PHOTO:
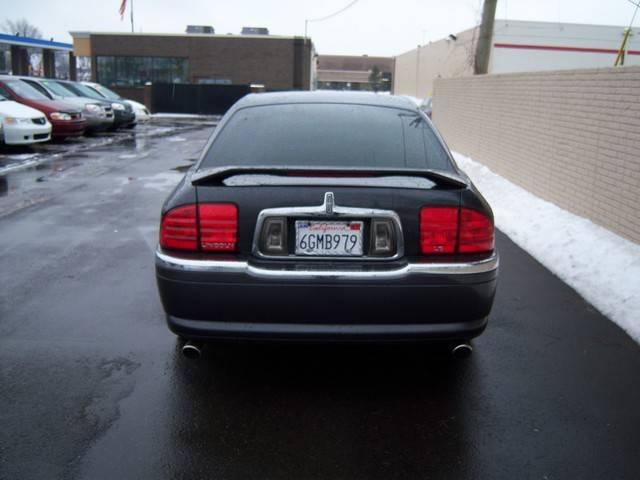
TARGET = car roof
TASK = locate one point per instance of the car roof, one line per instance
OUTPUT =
(23, 77)
(325, 96)
(9, 77)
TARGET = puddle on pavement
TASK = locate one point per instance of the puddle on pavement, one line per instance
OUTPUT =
(43, 162)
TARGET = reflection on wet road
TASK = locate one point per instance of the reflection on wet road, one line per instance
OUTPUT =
(26, 172)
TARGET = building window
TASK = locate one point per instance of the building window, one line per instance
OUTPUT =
(135, 71)
(61, 59)
(83, 69)
(5, 59)
(36, 68)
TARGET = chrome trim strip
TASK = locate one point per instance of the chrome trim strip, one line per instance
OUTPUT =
(243, 267)
(320, 212)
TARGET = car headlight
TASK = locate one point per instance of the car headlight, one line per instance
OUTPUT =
(16, 121)
(93, 108)
(60, 116)
(117, 106)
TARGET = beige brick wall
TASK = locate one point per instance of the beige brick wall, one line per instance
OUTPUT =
(571, 137)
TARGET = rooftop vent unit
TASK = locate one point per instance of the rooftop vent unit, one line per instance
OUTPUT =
(200, 29)
(254, 31)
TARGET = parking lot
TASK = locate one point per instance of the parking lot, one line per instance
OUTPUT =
(93, 385)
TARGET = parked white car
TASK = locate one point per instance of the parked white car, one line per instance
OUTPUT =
(141, 111)
(142, 114)
(22, 125)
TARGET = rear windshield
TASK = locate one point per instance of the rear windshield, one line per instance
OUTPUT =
(327, 135)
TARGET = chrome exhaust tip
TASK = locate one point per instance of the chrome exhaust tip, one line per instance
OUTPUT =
(191, 350)
(462, 350)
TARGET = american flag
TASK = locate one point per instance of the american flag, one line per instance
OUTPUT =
(123, 7)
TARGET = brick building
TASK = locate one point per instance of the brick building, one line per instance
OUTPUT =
(344, 72)
(127, 61)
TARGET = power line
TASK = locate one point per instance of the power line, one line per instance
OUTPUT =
(634, 14)
(321, 19)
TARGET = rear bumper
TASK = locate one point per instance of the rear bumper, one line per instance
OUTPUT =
(393, 332)
(235, 299)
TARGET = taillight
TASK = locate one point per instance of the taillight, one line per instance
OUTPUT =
(179, 229)
(476, 232)
(447, 230)
(212, 227)
(438, 229)
(218, 226)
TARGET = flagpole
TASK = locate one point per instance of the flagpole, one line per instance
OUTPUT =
(131, 16)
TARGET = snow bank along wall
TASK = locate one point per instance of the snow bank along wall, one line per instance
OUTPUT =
(571, 137)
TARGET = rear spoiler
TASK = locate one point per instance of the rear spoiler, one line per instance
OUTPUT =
(216, 175)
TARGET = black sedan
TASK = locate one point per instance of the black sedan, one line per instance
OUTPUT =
(316, 216)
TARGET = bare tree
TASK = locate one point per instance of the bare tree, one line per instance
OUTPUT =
(21, 27)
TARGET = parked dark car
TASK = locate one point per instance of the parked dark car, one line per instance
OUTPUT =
(66, 119)
(326, 216)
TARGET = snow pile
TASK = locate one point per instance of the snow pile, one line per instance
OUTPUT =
(603, 267)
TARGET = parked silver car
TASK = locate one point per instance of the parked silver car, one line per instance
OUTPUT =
(99, 114)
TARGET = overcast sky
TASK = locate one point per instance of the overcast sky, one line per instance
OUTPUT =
(373, 27)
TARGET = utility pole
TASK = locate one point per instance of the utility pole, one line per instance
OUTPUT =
(417, 69)
(131, 16)
(483, 48)
(625, 39)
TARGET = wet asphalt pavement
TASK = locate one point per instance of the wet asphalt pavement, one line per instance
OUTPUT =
(92, 386)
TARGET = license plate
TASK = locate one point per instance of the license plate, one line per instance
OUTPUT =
(328, 238)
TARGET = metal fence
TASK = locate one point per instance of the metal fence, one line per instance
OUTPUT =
(204, 99)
